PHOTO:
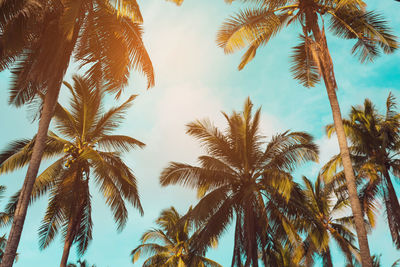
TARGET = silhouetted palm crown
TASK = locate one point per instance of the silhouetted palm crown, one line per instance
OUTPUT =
(255, 26)
(81, 264)
(37, 39)
(88, 153)
(375, 142)
(242, 177)
(324, 223)
(174, 242)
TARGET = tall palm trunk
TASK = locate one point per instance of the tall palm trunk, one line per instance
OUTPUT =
(350, 180)
(327, 258)
(236, 259)
(69, 238)
(322, 57)
(392, 209)
(251, 246)
(49, 105)
(73, 224)
(37, 152)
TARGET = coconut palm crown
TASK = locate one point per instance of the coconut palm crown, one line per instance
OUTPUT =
(243, 179)
(81, 264)
(375, 143)
(326, 221)
(87, 153)
(39, 38)
(174, 243)
(255, 26)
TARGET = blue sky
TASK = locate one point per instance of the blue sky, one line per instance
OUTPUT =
(196, 80)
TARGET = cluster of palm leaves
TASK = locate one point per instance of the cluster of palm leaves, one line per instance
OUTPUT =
(348, 19)
(176, 235)
(88, 153)
(247, 182)
(81, 264)
(38, 40)
(375, 140)
(243, 180)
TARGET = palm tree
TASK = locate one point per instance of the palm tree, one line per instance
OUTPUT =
(38, 39)
(323, 224)
(348, 19)
(87, 152)
(376, 261)
(81, 264)
(375, 143)
(174, 243)
(281, 254)
(243, 179)
(3, 220)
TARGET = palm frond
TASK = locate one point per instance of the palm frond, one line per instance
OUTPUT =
(16, 155)
(304, 67)
(52, 221)
(177, 2)
(129, 8)
(369, 28)
(84, 232)
(111, 119)
(194, 177)
(121, 143)
(250, 27)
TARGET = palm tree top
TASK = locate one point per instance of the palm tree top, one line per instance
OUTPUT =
(326, 220)
(39, 38)
(254, 26)
(375, 142)
(172, 244)
(242, 177)
(86, 150)
(83, 263)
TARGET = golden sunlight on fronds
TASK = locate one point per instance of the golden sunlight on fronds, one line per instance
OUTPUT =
(356, 3)
(178, 2)
(129, 8)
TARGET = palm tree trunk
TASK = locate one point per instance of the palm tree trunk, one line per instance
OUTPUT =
(251, 243)
(37, 152)
(236, 258)
(68, 243)
(49, 105)
(392, 209)
(322, 57)
(350, 180)
(327, 258)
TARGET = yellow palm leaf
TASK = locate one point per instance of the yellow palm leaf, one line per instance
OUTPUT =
(129, 8)
(178, 2)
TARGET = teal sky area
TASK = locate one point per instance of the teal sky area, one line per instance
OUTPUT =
(194, 80)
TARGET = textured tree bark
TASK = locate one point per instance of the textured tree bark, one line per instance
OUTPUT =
(350, 180)
(251, 246)
(49, 105)
(236, 259)
(34, 164)
(74, 220)
(322, 57)
(68, 243)
(327, 258)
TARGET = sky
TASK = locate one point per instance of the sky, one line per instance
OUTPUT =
(195, 80)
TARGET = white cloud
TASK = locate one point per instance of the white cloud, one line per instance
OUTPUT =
(328, 147)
